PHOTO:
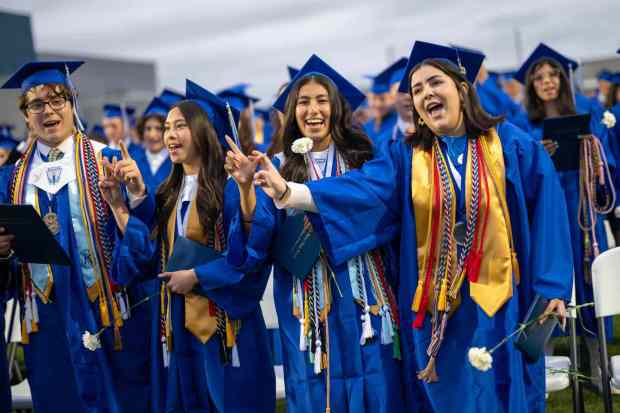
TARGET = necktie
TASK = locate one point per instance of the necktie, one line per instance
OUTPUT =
(55, 154)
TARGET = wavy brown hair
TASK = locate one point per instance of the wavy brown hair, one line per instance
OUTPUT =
(211, 177)
(534, 105)
(351, 142)
(477, 120)
(142, 123)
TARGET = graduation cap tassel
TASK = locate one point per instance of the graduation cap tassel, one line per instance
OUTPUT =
(571, 80)
(235, 356)
(76, 115)
(233, 125)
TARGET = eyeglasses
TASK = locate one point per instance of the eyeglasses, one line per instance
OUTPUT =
(38, 106)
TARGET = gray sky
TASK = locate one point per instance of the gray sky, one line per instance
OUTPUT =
(218, 43)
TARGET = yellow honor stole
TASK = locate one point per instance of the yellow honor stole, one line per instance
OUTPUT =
(487, 257)
(202, 317)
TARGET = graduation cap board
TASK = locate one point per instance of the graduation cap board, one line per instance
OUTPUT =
(567, 131)
(33, 243)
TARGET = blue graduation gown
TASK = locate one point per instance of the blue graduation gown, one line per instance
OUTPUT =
(5, 385)
(152, 181)
(384, 132)
(570, 185)
(370, 207)
(59, 368)
(496, 102)
(363, 378)
(196, 380)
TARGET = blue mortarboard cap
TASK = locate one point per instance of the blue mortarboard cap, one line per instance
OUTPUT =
(7, 141)
(316, 66)
(615, 78)
(171, 97)
(292, 72)
(5, 130)
(541, 52)
(156, 107)
(111, 110)
(237, 96)
(215, 107)
(604, 74)
(467, 60)
(382, 82)
(34, 74)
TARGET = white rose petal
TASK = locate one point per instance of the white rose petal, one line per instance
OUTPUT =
(609, 119)
(302, 145)
(480, 358)
(91, 341)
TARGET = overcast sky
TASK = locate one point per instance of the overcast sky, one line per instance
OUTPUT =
(218, 43)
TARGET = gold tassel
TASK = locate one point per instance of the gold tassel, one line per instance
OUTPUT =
(118, 341)
(103, 309)
(230, 335)
(417, 298)
(25, 337)
(429, 374)
(35, 327)
(442, 302)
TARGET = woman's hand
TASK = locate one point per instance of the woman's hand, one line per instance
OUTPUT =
(269, 178)
(550, 146)
(557, 307)
(128, 172)
(239, 166)
(180, 282)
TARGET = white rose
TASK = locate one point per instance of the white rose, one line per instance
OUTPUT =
(480, 358)
(609, 119)
(302, 145)
(91, 341)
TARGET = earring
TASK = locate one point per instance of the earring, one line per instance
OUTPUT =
(420, 122)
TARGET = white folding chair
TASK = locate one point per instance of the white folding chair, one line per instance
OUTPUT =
(20, 393)
(606, 288)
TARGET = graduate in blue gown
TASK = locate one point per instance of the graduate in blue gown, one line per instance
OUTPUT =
(209, 350)
(381, 99)
(153, 159)
(117, 126)
(340, 347)
(58, 175)
(548, 94)
(8, 146)
(383, 201)
(264, 129)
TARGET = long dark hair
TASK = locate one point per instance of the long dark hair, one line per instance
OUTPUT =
(534, 105)
(246, 132)
(211, 177)
(351, 142)
(278, 128)
(476, 119)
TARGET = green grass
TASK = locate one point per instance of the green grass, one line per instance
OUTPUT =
(561, 402)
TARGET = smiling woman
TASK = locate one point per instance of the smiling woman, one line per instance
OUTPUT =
(467, 202)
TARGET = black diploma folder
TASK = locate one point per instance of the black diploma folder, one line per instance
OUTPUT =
(567, 132)
(533, 339)
(296, 248)
(33, 243)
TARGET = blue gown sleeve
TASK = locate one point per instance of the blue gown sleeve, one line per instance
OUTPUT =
(361, 209)
(236, 290)
(135, 254)
(550, 261)
(248, 252)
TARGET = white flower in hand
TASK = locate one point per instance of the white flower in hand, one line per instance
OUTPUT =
(609, 119)
(302, 145)
(91, 341)
(480, 358)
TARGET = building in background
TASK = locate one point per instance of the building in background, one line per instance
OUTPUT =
(100, 80)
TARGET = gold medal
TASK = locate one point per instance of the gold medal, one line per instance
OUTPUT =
(51, 220)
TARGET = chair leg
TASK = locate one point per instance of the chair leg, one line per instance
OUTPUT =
(604, 366)
(578, 406)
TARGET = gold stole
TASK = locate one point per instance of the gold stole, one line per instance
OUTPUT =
(494, 284)
(198, 318)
